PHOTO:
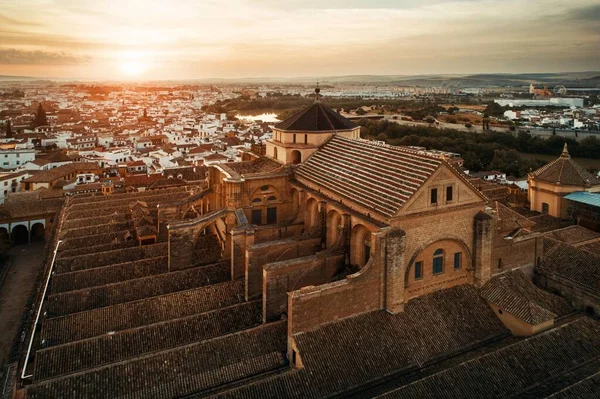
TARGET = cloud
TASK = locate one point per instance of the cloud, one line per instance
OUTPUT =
(23, 57)
(6, 20)
(307, 37)
(589, 13)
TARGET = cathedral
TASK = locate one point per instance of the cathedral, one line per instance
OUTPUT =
(331, 266)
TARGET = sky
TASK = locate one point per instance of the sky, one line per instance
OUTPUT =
(196, 39)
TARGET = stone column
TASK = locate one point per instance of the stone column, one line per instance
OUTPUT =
(482, 248)
(394, 270)
(323, 223)
(241, 238)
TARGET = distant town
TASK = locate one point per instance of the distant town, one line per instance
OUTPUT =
(227, 229)
(75, 138)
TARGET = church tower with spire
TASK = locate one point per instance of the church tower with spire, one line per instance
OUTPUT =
(299, 136)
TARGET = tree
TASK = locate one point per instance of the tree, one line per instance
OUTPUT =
(145, 113)
(40, 117)
(8, 128)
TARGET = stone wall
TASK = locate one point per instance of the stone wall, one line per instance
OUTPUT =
(275, 251)
(520, 252)
(198, 241)
(279, 278)
(577, 296)
(360, 292)
(275, 232)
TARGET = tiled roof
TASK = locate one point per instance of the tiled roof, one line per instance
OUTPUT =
(58, 156)
(215, 157)
(518, 369)
(258, 165)
(565, 171)
(138, 341)
(177, 372)
(83, 262)
(66, 282)
(545, 222)
(31, 206)
(509, 220)
(514, 293)
(584, 389)
(572, 234)
(136, 289)
(574, 264)
(46, 176)
(360, 349)
(78, 326)
(380, 177)
(316, 118)
(592, 247)
(167, 182)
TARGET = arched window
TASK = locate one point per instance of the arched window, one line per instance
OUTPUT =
(272, 198)
(275, 152)
(545, 208)
(296, 157)
(438, 261)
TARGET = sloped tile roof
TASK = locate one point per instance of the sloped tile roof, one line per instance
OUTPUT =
(516, 370)
(514, 293)
(574, 264)
(573, 234)
(316, 118)
(565, 171)
(509, 220)
(380, 177)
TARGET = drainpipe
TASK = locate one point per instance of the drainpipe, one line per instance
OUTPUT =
(37, 317)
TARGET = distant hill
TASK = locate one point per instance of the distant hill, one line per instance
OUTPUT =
(569, 79)
(12, 78)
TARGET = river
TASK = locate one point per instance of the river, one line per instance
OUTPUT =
(265, 117)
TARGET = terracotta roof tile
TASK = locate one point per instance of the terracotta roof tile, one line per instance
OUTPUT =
(574, 264)
(565, 171)
(514, 370)
(316, 118)
(380, 177)
(514, 293)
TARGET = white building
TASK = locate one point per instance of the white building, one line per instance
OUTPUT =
(554, 101)
(15, 158)
(11, 183)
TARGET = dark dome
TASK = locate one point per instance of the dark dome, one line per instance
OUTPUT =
(316, 118)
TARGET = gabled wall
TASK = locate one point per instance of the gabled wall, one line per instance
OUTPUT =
(444, 177)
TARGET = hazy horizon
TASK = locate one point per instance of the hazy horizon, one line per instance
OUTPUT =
(243, 39)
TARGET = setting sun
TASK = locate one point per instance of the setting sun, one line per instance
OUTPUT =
(132, 67)
(132, 64)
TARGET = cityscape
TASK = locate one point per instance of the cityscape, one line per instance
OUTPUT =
(326, 199)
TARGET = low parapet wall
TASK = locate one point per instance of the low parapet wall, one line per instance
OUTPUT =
(281, 277)
(259, 255)
(310, 307)
(276, 232)
(363, 291)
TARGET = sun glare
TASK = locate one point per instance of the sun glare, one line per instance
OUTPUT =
(132, 64)
(132, 68)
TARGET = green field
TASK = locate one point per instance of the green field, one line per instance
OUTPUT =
(585, 162)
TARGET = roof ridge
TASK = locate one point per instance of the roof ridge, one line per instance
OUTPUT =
(327, 118)
(562, 167)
